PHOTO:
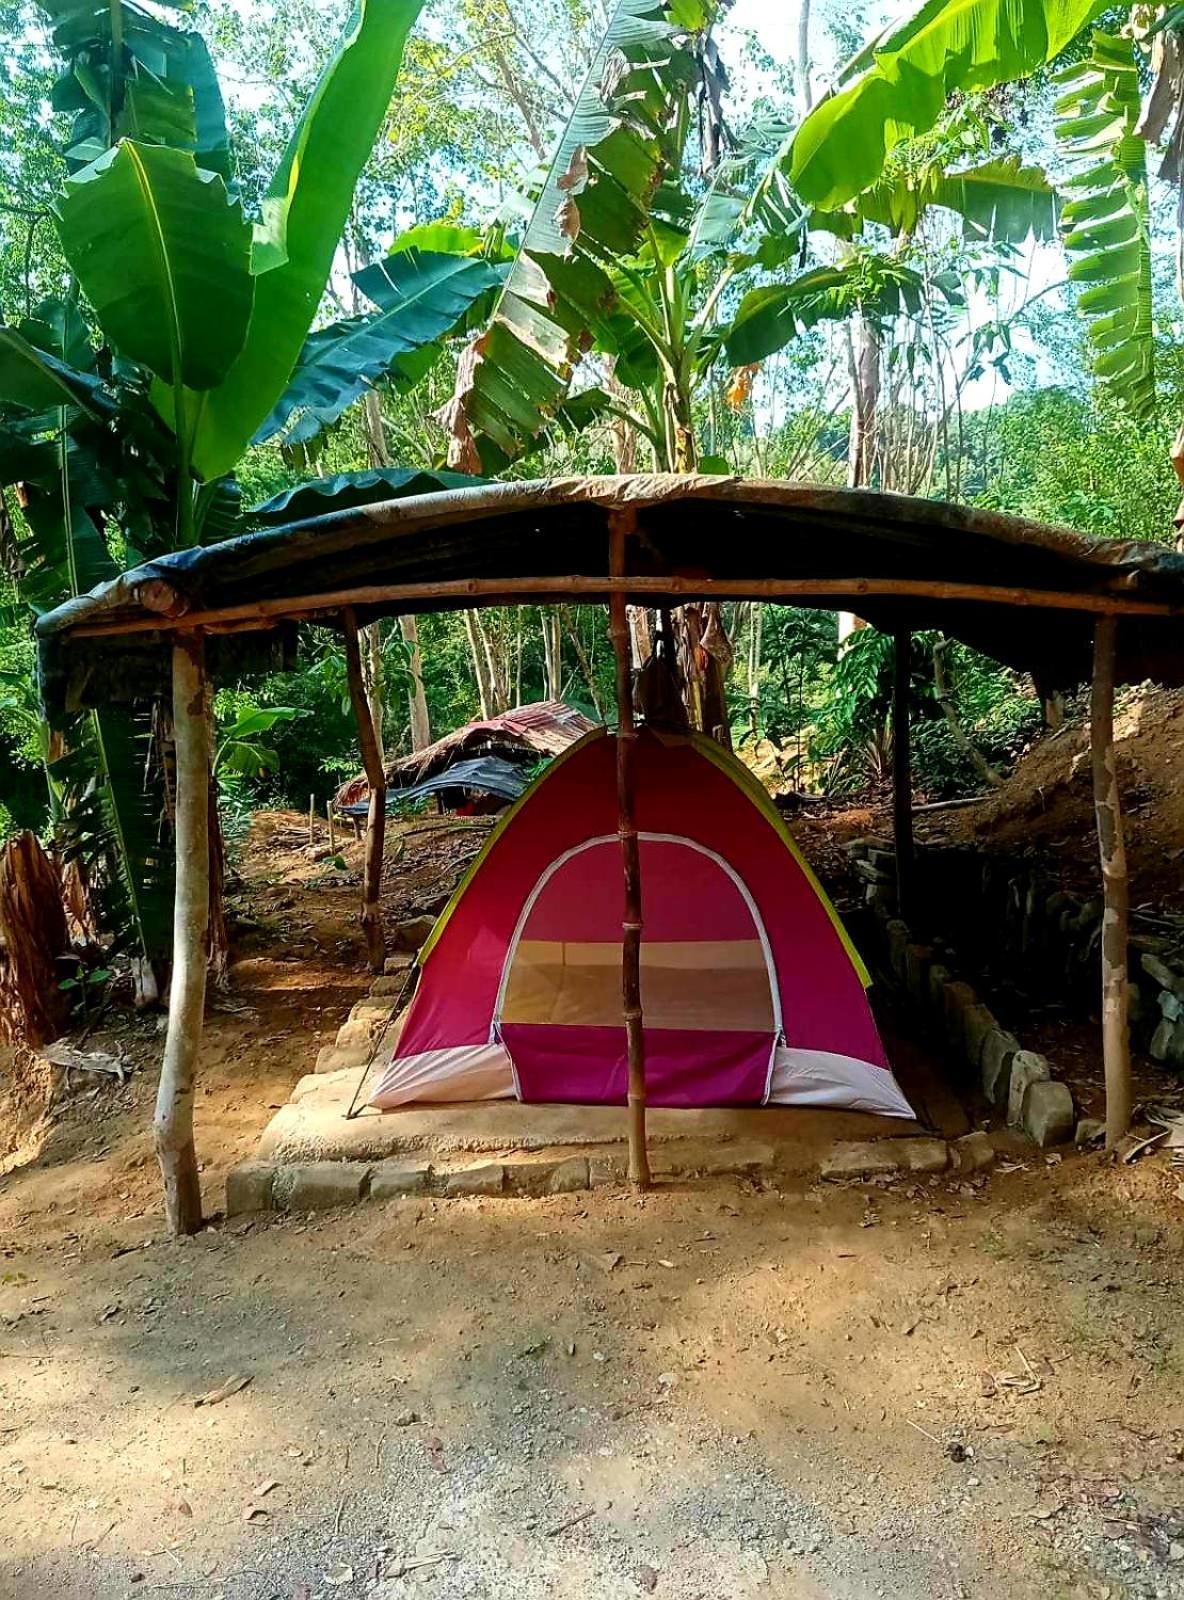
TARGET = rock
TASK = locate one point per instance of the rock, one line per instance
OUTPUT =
(604, 1171)
(487, 1179)
(1089, 1130)
(320, 1185)
(336, 1057)
(999, 1051)
(1166, 977)
(392, 1179)
(977, 1022)
(1027, 1068)
(861, 1158)
(248, 1188)
(869, 1158)
(389, 986)
(923, 1155)
(872, 873)
(939, 976)
(973, 1152)
(1170, 1005)
(897, 933)
(569, 1176)
(375, 1011)
(360, 1033)
(1048, 1112)
(397, 964)
(957, 999)
(412, 933)
(916, 972)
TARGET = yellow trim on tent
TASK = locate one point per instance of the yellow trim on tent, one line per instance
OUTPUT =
(495, 833)
(740, 775)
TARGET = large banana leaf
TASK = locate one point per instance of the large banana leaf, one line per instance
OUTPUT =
(35, 380)
(304, 211)
(769, 317)
(1108, 218)
(596, 206)
(163, 255)
(348, 489)
(133, 75)
(947, 47)
(421, 295)
(998, 200)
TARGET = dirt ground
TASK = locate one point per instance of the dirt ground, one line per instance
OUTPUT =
(718, 1391)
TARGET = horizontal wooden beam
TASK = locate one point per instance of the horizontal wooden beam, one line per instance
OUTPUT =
(836, 593)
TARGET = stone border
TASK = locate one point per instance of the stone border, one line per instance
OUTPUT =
(1017, 1083)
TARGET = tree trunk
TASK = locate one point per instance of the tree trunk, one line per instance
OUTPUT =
(1116, 1044)
(480, 664)
(421, 727)
(962, 739)
(631, 924)
(33, 938)
(802, 63)
(863, 347)
(376, 815)
(552, 652)
(173, 1123)
(219, 939)
(902, 778)
(374, 677)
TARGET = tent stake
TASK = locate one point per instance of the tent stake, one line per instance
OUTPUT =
(902, 777)
(376, 778)
(173, 1123)
(1116, 1045)
(620, 525)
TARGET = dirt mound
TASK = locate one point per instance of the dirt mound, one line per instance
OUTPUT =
(1046, 806)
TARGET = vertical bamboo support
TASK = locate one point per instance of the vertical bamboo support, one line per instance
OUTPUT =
(620, 525)
(902, 777)
(376, 778)
(173, 1122)
(1116, 1046)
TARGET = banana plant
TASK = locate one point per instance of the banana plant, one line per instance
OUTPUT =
(126, 450)
(1108, 217)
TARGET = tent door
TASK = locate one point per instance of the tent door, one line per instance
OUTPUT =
(709, 989)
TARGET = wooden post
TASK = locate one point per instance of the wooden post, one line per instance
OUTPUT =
(1116, 1045)
(376, 778)
(173, 1123)
(312, 817)
(329, 820)
(902, 777)
(620, 525)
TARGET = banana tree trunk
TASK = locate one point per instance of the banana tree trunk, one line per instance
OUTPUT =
(863, 349)
(173, 1122)
(34, 937)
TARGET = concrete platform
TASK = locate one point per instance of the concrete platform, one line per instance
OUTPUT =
(312, 1127)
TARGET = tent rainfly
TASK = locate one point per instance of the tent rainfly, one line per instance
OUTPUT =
(751, 990)
(1058, 604)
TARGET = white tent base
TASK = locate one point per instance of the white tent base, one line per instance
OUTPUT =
(474, 1073)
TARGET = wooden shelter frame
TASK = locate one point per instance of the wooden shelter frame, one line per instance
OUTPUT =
(1102, 603)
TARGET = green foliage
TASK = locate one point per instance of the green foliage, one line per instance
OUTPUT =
(1108, 216)
(422, 297)
(239, 748)
(304, 212)
(900, 85)
(162, 253)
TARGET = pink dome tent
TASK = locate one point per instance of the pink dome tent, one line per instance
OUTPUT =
(752, 993)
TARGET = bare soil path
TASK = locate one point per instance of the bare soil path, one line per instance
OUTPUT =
(920, 1389)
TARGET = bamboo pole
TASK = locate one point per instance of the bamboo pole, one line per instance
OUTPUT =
(329, 820)
(170, 611)
(1116, 1045)
(173, 1122)
(902, 777)
(621, 523)
(376, 814)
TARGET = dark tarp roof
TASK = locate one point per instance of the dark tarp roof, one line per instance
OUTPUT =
(482, 775)
(524, 541)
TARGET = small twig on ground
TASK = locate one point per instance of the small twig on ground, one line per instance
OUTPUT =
(338, 1517)
(562, 1527)
(920, 1429)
